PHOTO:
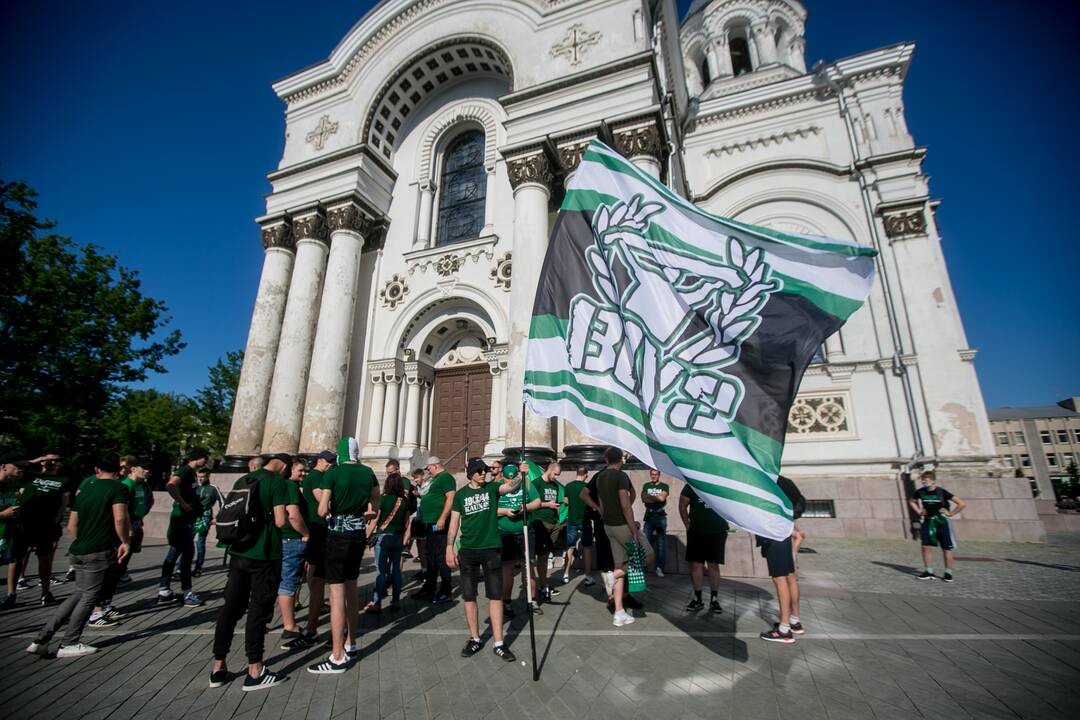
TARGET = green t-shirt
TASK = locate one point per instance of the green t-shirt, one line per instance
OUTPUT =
(478, 508)
(295, 497)
(576, 515)
(549, 491)
(608, 484)
(397, 519)
(8, 498)
(350, 486)
(138, 505)
(42, 498)
(95, 530)
(512, 501)
(703, 519)
(312, 481)
(652, 490)
(208, 495)
(189, 491)
(431, 504)
(273, 492)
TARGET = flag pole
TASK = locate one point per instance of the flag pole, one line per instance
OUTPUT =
(528, 565)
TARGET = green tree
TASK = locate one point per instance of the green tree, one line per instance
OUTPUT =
(75, 329)
(152, 423)
(214, 401)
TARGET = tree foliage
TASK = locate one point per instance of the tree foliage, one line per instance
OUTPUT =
(151, 423)
(75, 329)
(214, 401)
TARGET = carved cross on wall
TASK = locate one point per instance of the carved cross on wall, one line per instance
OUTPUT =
(324, 130)
(575, 43)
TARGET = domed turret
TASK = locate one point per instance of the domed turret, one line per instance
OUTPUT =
(725, 39)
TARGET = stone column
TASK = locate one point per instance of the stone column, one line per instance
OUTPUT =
(378, 395)
(324, 405)
(641, 142)
(253, 391)
(417, 376)
(531, 179)
(765, 43)
(285, 414)
(423, 227)
(388, 439)
(497, 364)
(722, 55)
(425, 416)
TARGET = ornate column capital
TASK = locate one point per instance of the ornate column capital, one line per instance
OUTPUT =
(310, 226)
(418, 373)
(497, 359)
(638, 137)
(386, 371)
(571, 148)
(277, 233)
(530, 165)
(349, 217)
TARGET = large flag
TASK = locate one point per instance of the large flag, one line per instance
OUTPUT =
(681, 336)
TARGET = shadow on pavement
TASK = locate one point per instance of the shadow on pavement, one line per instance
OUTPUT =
(905, 569)
(1052, 566)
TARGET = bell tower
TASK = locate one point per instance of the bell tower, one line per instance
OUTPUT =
(727, 41)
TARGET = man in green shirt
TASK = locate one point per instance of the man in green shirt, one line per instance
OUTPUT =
(654, 496)
(312, 487)
(11, 471)
(706, 539)
(546, 524)
(101, 527)
(475, 514)
(254, 576)
(208, 498)
(293, 550)
(42, 502)
(435, 516)
(616, 495)
(578, 532)
(512, 532)
(350, 491)
(183, 486)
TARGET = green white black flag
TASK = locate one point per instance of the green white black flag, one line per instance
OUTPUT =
(681, 336)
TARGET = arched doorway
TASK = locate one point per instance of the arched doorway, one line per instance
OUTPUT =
(461, 402)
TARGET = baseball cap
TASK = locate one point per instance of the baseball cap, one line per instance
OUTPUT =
(328, 456)
(510, 471)
(433, 460)
(475, 465)
(10, 458)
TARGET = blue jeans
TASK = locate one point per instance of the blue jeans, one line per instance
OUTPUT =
(656, 533)
(181, 537)
(293, 551)
(200, 550)
(387, 562)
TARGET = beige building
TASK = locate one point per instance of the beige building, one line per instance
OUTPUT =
(1041, 441)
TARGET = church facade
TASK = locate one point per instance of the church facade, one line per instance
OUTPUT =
(423, 164)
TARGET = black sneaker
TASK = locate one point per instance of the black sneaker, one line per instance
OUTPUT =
(101, 621)
(23, 584)
(263, 682)
(925, 575)
(776, 636)
(167, 598)
(714, 607)
(291, 639)
(504, 652)
(8, 602)
(553, 591)
(47, 599)
(694, 605)
(394, 606)
(797, 629)
(328, 667)
(536, 609)
(947, 577)
(219, 678)
(440, 599)
(471, 648)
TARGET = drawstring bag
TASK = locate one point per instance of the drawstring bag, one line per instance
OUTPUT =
(202, 525)
(635, 567)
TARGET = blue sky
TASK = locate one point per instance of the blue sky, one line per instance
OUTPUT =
(148, 129)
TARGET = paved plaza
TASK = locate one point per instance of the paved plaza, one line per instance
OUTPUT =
(999, 643)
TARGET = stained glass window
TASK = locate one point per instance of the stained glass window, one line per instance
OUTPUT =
(463, 189)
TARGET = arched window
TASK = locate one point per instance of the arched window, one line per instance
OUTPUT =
(740, 56)
(705, 77)
(462, 190)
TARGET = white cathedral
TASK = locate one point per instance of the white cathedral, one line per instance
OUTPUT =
(425, 159)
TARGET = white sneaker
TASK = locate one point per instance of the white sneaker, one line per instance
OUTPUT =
(622, 618)
(565, 579)
(76, 650)
(37, 648)
(659, 572)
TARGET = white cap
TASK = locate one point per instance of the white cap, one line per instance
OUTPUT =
(434, 461)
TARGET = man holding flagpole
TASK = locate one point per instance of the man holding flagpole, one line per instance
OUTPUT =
(616, 507)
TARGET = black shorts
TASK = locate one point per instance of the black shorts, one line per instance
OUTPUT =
(316, 549)
(513, 547)
(474, 562)
(344, 551)
(779, 556)
(40, 535)
(943, 535)
(545, 538)
(705, 547)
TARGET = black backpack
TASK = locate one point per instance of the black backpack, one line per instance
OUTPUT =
(798, 502)
(240, 520)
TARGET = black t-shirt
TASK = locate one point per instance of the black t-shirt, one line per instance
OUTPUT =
(189, 491)
(934, 501)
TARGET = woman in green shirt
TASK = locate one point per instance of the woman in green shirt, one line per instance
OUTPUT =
(391, 532)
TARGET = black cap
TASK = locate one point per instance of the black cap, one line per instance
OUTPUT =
(198, 453)
(328, 456)
(476, 465)
(10, 458)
